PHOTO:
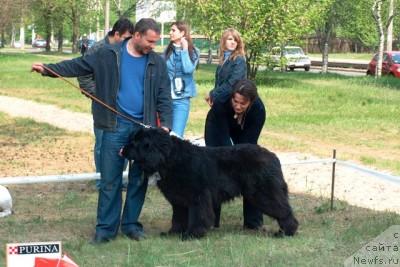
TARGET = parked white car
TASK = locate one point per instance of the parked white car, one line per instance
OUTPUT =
(292, 57)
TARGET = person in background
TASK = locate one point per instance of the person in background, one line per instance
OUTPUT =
(182, 58)
(231, 67)
(84, 45)
(121, 30)
(133, 79)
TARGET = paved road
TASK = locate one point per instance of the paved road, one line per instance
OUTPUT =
(345, 72)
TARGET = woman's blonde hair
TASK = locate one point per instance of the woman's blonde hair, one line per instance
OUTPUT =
(239, 51)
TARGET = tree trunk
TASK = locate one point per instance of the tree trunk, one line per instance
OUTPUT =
(2, 38)
(22, 34)
(97, 28)
(376, 11)
(60, 38)
(12, 35)
(75, 29)
(325, 53)
(33, 34)
(209, 58)
(48, 31)
(107, 17)
(252, 65)
(389, 41)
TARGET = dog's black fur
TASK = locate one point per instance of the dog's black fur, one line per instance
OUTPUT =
(197, 180)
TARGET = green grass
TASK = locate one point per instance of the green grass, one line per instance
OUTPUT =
(17, 80)
(66, 212)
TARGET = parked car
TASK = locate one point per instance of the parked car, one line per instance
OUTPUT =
(39, 43)
(292, 57)
(390, 64)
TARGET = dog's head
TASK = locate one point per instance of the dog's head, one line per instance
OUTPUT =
(150, 148)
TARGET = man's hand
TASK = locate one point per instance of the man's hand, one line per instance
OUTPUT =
(165, 129)
(37, 67)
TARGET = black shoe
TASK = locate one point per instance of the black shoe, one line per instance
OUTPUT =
(136, 236)
(97, 240)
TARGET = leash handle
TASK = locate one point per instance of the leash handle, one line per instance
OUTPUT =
(96, 99)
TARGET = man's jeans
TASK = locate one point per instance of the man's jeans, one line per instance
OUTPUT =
(98, 135)
(180, 115)
(110, 193)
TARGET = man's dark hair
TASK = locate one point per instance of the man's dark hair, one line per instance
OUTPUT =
(143, 25)
(122, 25)
(246, 88)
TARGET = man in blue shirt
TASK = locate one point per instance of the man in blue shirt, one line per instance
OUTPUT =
(121, 30)
(133, 79)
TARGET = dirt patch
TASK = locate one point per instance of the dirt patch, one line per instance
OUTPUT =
(352, 186)
(60, 155)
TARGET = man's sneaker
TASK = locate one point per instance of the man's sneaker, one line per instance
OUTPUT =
(97, 240)
(136, 235)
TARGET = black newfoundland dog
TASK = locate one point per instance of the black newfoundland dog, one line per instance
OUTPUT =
(197, 180)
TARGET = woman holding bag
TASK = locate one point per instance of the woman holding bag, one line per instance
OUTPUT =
(182, 58)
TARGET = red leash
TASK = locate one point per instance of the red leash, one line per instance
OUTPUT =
(96, 99)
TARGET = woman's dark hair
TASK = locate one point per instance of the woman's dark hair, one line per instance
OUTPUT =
(246, 88)
(182, 26)
(122, 25)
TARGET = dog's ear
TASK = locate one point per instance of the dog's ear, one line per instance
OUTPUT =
(137, 135)
(163, 142)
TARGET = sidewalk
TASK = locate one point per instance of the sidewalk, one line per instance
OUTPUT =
(68, 120)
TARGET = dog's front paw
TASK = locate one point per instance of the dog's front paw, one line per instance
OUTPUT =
(279, 234)
(186, 236)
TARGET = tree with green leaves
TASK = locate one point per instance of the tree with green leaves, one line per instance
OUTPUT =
(332, 13)
(263, 24)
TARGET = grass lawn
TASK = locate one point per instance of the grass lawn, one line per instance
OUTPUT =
(307, 112)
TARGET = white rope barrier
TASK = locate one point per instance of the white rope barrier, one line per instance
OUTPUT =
(381, 175)
(95, 176)
(52, 178)
(307, 162)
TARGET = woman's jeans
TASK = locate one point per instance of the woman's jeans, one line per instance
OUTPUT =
(110, 194)
(180, 115)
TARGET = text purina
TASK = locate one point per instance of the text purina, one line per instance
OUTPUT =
(39, 249)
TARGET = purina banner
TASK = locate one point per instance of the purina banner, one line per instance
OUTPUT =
(24, 254)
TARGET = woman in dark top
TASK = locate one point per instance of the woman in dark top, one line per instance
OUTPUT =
(238, 120)
(231, 67)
